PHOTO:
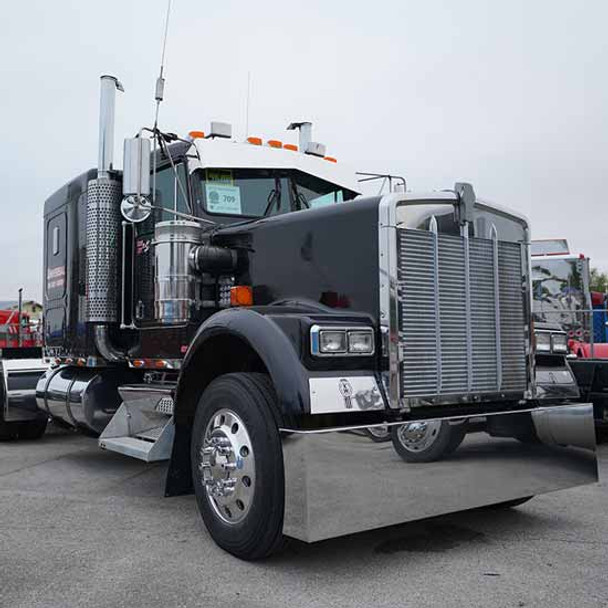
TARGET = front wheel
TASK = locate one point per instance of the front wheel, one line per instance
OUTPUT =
(237, 465)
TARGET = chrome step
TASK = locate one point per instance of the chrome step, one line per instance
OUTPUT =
(151, 434)
(151, 397)
(138, 431)
(136, 448)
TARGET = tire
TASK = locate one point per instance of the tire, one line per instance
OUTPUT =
(237, 465)
(31, 430)
(458, 433)
(379, 434)
(437, 439)
(509, 504)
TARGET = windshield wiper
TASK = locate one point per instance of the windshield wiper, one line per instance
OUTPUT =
(274, 197)
(299, 198)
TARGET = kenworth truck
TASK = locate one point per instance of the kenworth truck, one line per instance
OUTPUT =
(238, 309)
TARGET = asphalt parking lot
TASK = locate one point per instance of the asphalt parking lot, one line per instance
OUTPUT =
(83, 527)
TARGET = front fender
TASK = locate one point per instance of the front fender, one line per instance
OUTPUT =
(268, 341)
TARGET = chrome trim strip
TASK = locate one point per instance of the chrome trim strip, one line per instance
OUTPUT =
(340, 429)
(387, 263)
(467, 305)
(528, 308)
(494, 237)
(433, 229)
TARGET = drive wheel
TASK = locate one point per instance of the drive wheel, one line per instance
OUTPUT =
(33, 429)
(427, 440)
(237, 465)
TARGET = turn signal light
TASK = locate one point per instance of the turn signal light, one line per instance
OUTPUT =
(241, 295)
(196, 135)
(275, 143)
(291, 147)
(331, 159)
(256, 141)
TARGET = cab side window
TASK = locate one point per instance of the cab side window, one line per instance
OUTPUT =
(168, 190)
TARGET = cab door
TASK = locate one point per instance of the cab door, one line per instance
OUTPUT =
(55, 278)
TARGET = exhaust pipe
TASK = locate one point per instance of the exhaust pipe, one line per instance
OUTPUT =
(107, 104)
(103, 227)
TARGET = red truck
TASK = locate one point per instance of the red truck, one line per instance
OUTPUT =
(21, 365)
(9, 330)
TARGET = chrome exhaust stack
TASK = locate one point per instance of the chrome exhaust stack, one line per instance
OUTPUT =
(107, 105)
(104, 195)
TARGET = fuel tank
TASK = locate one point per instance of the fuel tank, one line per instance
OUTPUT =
(82, 397)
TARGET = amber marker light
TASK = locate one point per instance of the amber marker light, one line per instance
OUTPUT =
(331, 159)
(291, 147)
(196, 135)
(275, 143)
(255, 141)
(241, 295)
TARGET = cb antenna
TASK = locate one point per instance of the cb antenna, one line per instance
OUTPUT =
(160, 81)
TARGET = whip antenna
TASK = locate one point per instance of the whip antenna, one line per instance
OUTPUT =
(160, 81)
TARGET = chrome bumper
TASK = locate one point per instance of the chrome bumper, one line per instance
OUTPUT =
(339, 482)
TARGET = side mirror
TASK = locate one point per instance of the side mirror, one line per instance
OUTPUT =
(135, 206)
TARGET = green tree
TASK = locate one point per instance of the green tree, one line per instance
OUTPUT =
(599, 280)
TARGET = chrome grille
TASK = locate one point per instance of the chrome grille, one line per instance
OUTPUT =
(461, 315)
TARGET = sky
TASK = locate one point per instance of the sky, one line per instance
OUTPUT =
(511, 96)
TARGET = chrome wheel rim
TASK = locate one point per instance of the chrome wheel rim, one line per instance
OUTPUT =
(417, 436)
(380, 432)
(227, 466)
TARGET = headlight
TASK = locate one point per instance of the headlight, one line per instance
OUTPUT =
(344, 341)
(331, 341)
(361, 342)
(559, 343)
(543, 342)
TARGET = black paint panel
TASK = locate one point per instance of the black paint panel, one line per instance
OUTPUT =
(328, 256)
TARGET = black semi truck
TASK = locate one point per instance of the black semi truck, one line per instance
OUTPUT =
(239, 309)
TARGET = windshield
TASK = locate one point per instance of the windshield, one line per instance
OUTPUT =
(559, 293)
(257, 193)
(549, 247)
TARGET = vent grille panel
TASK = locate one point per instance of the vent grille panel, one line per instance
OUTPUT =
(103, 227)
(438, 328)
